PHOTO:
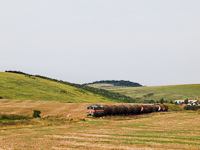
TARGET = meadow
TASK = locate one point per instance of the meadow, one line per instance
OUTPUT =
(171, 92)
(23, 87)
(54, 130)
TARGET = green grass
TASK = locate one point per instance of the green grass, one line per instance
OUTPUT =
(22, 87)
(171, 92)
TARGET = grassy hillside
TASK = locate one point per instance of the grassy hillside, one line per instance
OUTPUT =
(172, 92)
(82, 88)
(22, 87)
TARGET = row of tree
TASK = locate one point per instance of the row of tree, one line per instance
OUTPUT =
(116, 83)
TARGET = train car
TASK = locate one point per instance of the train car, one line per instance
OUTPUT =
(95, 111)
(99, 110)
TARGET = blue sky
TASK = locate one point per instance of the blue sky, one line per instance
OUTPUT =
(151, 42)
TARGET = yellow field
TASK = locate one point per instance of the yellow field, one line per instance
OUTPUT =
(159, 130)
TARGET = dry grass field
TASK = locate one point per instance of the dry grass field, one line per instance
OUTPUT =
(159, 130)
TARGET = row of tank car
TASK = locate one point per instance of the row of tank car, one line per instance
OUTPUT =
(104, 110)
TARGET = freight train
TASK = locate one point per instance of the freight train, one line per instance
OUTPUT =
(104, 110)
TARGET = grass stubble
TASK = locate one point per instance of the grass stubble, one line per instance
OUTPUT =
(160, 130)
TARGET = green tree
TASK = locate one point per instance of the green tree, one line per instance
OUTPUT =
(161, 100)
(36, 114)
(186, 101)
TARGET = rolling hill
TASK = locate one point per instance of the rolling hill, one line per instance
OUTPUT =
(21, 86)
(145, 94)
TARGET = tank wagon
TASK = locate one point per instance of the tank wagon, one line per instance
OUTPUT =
(104, 110)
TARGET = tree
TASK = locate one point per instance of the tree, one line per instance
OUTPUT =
(186, 101)
(161, 100)
(171, 102)
(36, 114)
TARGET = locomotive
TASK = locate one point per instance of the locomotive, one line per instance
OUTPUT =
(104, 110)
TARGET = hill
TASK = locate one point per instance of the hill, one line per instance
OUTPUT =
(145, 94)
(22, 86)
(115, 83)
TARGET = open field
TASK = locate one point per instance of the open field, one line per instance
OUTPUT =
(159, 130)
(171, 92)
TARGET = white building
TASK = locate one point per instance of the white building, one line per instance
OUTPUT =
(179, 101)
(182, 101)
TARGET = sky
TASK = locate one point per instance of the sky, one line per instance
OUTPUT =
(151, 42)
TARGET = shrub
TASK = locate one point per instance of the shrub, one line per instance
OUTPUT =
(36, 114)
(161, 100)
(82, 119)
(149, 101)
(1, 97)
(186, 101)
(193, 107)
(63, 91)
(12, 117)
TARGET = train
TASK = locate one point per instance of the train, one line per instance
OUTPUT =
(108, 110)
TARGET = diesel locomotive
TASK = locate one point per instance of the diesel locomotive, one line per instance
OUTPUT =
(104, 110)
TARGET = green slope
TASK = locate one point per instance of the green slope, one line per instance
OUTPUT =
(22, 87)
(172, 92)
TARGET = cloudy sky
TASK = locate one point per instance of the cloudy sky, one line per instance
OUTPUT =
(151, 42)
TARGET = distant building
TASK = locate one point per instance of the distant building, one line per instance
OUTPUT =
(193, 101)
(190, 102)
(179, 101)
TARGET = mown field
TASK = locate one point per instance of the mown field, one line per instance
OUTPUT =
(171, 92)
(159, 130)
(16, 86)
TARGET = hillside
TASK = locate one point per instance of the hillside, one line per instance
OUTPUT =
(115, 83)
(145, 94)
(22, 86)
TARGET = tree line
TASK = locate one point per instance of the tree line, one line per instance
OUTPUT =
(116, 83)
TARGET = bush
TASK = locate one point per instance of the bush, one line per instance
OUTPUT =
(161, 100)
(186, 101)
(36, 114)
(12, 117)
(149, 101)
(82, 119)
(193, 107)
(1, 97)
